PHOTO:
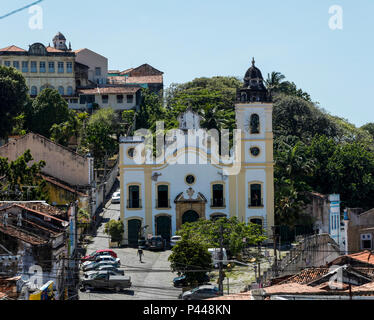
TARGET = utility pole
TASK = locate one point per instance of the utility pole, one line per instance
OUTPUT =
(220, 262)
(275, 250)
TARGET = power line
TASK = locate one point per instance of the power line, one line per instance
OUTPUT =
(20, 9)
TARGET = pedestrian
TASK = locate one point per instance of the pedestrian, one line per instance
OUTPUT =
(140, 254)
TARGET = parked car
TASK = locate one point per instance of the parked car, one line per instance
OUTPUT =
(116, 197)
(113, 270)
(174, 240)
(93, 255)
(95, 265)
(215, 256)
(156, 243)
(103, 280)
(180, 282)
(201, 293)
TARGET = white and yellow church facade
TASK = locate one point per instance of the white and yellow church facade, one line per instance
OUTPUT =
(190, 180)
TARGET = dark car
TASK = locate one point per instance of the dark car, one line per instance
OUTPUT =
(156, 243)
(142, 244)
(181, 282)
(201, 293)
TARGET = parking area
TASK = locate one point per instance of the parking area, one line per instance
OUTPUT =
(151, 279)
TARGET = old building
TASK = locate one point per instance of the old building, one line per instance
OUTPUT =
(96, 63)
(145, 76)
(36, 232)
(44, 66)
(160, 195)
(359, 230)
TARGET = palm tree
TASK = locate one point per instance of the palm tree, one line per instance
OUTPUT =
(274, 81)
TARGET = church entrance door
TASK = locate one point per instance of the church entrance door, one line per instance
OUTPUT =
(190, 216)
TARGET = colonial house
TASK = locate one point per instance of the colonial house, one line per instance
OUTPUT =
(359, 230)
(144, 76)
(191, 180)
(44, 66)
(36, 232)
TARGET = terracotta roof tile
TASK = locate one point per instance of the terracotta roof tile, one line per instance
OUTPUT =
(292, 288)
(136, 80)
(22, 235)
(230, 297)
(13, 49)
(110, 90)
(51, 49)
(368, 287)
(364, 256)
(306, 276)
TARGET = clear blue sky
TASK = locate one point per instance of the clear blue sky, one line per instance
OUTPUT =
(194, 38)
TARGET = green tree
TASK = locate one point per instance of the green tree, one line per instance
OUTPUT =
(369, 127)
(98, 135)
(18, 177)
(207, 232)
(188, 257)
(13, 98)
(48, 108)
(115, 229)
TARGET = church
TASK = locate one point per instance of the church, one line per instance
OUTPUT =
(192, 180)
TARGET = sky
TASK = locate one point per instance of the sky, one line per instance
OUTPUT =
(196, 38)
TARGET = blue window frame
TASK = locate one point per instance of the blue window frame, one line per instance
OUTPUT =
(61, 90)
(25, 66)
(61, 67)
(34, 91)
(69, 67)
(34, 67)
(70, 91)
(7, 63)
(16, 64)
(42, 68)
(51, 67)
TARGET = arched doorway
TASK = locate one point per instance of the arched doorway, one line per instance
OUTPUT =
(190, 216)
(163, 227)
(134, 226)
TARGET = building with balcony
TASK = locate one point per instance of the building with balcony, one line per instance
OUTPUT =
(190, 179)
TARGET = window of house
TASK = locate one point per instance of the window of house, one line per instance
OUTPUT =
(255, 124)
(134, 197)
(34, 67)
(61, 90)
(105, 98)
(366, 241)
(120, 98)
(25, 66)
(91, 98)
(70, 91)
(51, 67)
(98, 71)
(7, 63)
(217, 196)
(163, 196)
(256, 221)
(69, 67)
(61, 67)
(255, 199)
(34, 91)
(16, 64)
(130, 98)
(82, 99)
(42, 67)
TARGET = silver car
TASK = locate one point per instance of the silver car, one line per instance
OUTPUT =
(174, 240)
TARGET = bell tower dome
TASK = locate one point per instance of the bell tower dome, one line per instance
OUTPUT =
(59, 42)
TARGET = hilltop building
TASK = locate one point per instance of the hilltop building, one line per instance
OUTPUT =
(159, 196)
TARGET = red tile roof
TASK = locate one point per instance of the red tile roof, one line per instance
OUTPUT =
(62, 185)
(369, 287)
(51, 49)
(292, 288)
(22, 235)
(364, 256)
(230, 297)
(110, 90)
(13, 49)
(306, 276)
(136, 80)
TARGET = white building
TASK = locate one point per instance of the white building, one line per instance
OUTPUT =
(190, 181)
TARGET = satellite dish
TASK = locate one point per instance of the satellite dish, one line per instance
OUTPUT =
(65, 223)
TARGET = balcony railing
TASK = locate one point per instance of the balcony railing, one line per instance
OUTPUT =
(134, 204)
(163, 203)
(217, 202)
(255, 202)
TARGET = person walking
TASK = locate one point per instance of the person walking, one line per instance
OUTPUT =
(140, 254)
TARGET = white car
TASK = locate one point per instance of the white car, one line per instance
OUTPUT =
(116, 198)
(174, 240)
(107, 258)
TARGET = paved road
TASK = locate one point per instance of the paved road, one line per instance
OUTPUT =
(151, 280)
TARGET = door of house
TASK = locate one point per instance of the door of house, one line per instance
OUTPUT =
(163, 227)
(133, 228)
(190, 216)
